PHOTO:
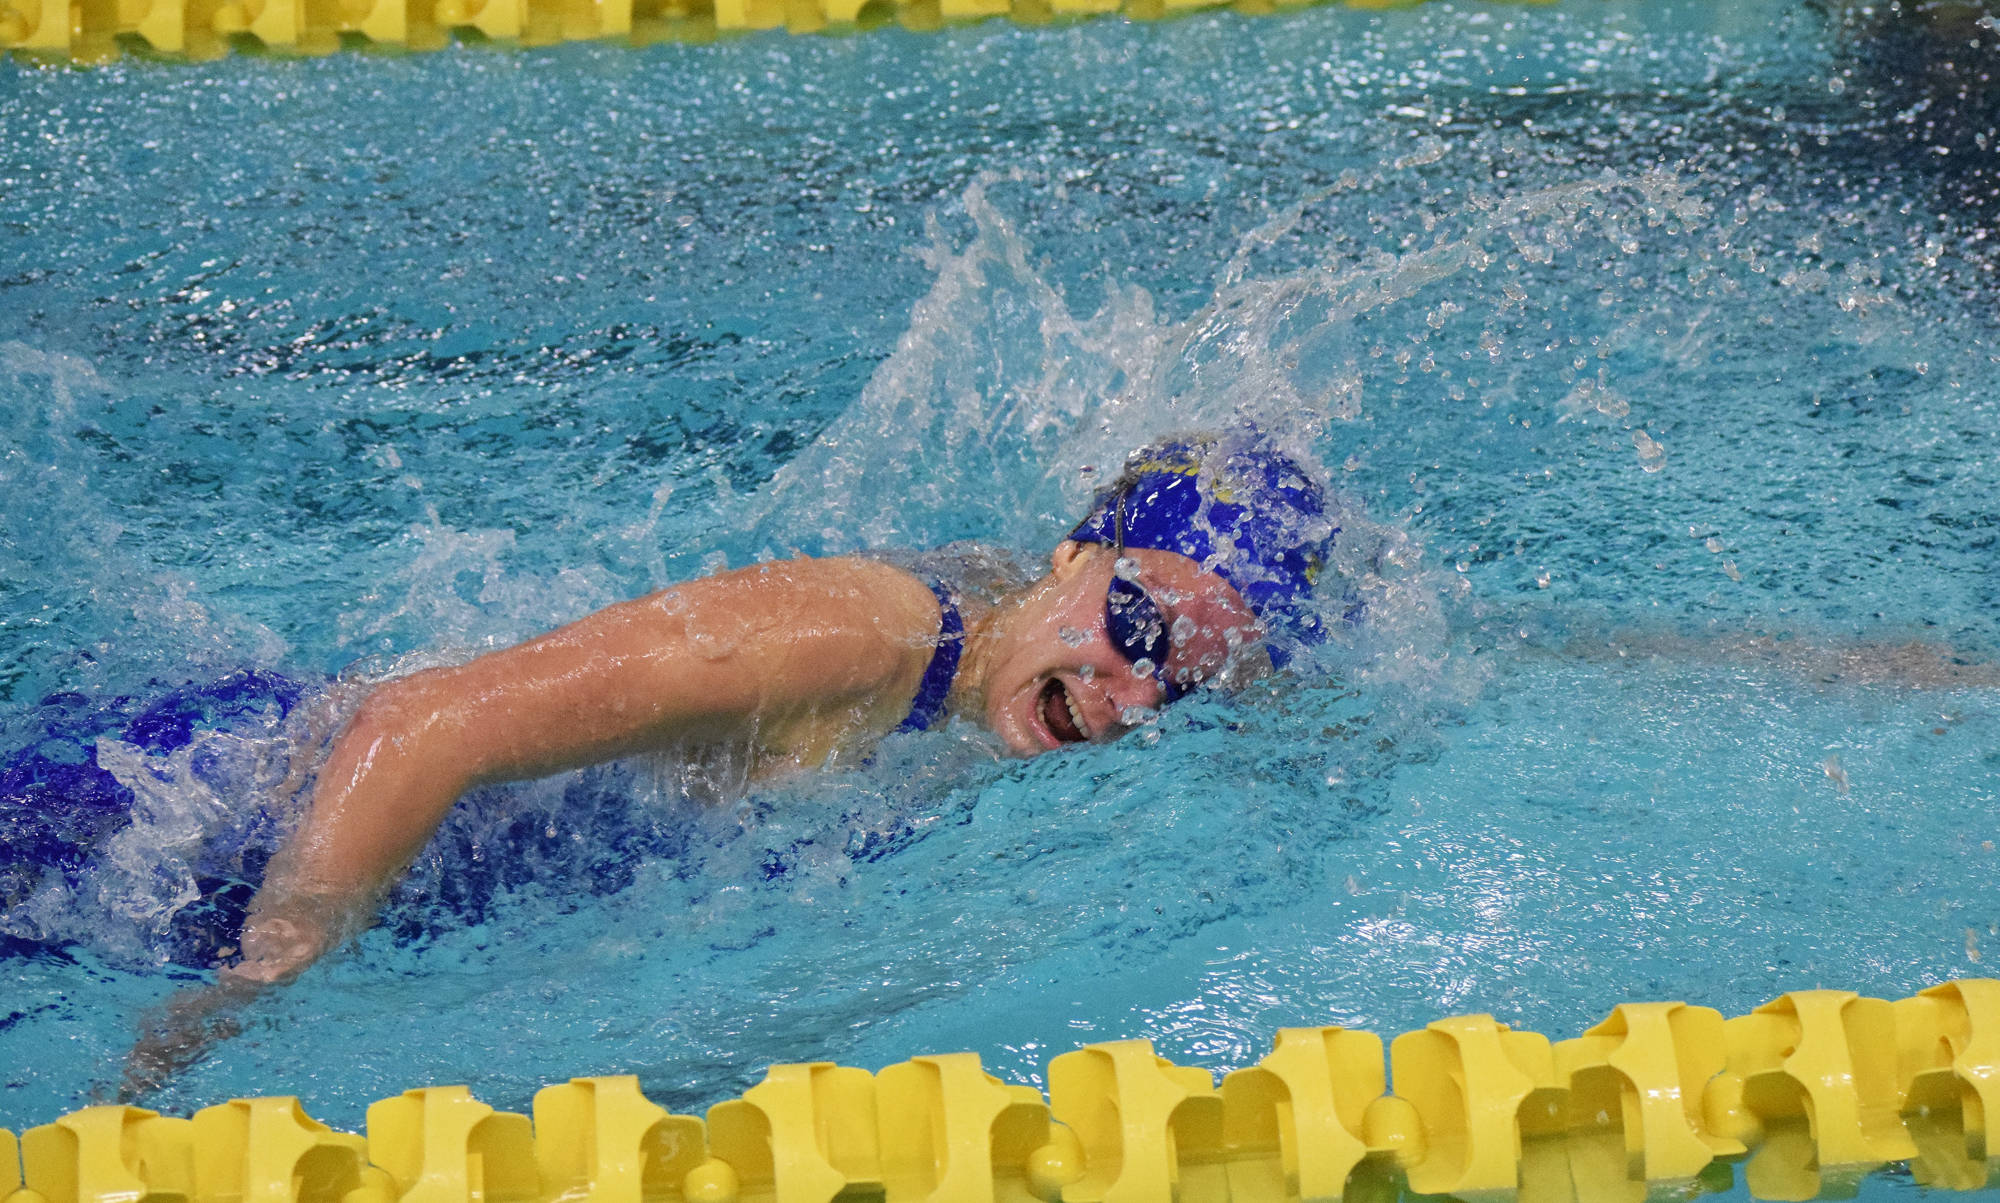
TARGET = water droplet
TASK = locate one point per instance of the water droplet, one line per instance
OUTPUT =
(1652, 454)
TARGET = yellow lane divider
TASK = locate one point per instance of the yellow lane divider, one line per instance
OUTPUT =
(1811, 1092)
(100, 30)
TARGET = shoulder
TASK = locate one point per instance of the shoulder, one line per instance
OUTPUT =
(830, 643)
(851, 617)
(859, 587)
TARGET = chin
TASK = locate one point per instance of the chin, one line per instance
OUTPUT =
(1015, 725)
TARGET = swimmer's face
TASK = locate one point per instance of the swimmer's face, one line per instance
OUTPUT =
(1056, 675)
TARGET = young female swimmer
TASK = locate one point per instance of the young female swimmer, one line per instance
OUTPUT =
(1200, 558)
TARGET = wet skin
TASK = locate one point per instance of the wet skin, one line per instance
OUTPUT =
(797, 658)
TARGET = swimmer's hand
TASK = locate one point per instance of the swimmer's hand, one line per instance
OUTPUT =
(286, 931)
(279, 941)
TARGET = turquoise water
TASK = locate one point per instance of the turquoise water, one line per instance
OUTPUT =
(1651, 350)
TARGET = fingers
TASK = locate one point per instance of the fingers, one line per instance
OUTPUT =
(286, 932)
(248, 977)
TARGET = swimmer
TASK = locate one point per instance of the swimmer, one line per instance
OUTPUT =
(1195, 567)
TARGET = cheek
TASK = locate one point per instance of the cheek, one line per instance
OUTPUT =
(1078, 619)
(1070, 636)
(1205, 649)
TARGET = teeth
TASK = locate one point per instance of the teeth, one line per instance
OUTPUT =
(1074, 717)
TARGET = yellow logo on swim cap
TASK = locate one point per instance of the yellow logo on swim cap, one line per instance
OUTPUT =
(1186, 460)
(1181, 461)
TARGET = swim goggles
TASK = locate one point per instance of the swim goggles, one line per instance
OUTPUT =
(1134, 621)
(1138, 631)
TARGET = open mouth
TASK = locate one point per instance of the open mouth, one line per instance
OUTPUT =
(1059, 714)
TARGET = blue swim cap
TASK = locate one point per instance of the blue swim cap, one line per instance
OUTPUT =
(1240, 508)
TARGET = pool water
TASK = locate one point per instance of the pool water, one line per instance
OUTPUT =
(1651, 348)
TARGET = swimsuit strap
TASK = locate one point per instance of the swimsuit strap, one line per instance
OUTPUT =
(943, 668)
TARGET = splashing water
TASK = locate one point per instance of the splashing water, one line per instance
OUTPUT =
(1648, 370)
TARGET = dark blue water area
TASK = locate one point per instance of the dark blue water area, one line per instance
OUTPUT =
(1649, 348)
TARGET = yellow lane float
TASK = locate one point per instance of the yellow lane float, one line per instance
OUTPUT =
(1811, 1092)
(89, 31)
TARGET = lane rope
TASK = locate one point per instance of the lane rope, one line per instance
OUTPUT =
(94, 31)
(1808, 1093)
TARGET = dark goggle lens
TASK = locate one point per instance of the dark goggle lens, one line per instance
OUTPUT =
(1138, 630)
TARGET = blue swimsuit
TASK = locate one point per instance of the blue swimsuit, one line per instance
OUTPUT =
(943, 669)
(59, 806)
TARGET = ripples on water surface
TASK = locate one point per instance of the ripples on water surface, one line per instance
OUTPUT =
(1651, 346)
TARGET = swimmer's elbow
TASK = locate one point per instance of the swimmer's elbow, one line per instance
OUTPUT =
(457, 728)
(411, 729)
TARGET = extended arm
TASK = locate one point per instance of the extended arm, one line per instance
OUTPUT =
(775, 656)
(757, 655)
(1907, 664)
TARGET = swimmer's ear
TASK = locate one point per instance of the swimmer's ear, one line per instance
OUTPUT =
(1067, 556)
